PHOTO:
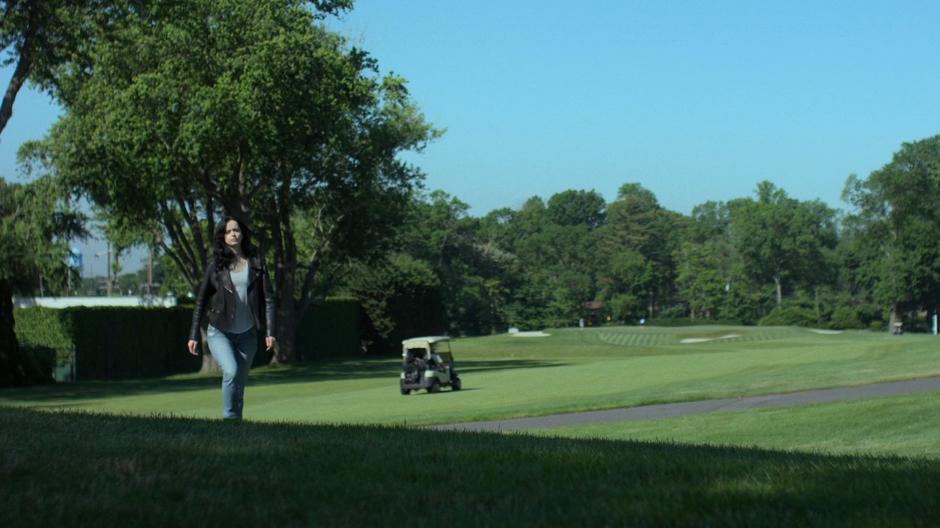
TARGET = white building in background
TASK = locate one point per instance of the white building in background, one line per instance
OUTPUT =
(67, 302)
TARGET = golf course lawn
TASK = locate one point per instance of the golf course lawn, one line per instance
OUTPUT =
(323, 443)
(900, 425)
(505, 376)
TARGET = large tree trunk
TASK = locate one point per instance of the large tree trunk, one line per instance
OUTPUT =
(16, 368)
(816, 303)
(285, 307)
(285, 260)
(10, 365)
(285, 351)
(893, 318)
(779, 290)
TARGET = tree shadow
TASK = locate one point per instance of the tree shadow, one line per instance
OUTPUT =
(579, 481)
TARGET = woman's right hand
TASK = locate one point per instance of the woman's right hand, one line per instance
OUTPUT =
(191, 345)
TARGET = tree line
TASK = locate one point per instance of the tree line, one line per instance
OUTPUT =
(175, 113)
(767, 258)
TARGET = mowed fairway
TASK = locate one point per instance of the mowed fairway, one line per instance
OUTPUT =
(906, 426)
(505, 376)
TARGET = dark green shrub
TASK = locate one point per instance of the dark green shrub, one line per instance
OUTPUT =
(676, 311)
(846, 318)
(789, 316)
(685, 321)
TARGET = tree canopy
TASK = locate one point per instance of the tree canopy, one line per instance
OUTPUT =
(251, 108)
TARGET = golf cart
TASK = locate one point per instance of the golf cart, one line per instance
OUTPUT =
(427, 363)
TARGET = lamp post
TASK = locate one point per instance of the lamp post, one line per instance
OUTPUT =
(108, 253)
(74, 265)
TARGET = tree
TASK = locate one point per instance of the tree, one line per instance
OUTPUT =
(45, 36)
(782, 240)
(706, 262)
(36, 222)
(471, 271)
(630, 277)
(254, 109)
(400, 294)
(641, 235)
(699, 278)
(894, 227)
(570, 208)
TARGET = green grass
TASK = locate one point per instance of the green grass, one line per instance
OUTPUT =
(900, 425)
(74, 469)
(301, 460)
(510, 376)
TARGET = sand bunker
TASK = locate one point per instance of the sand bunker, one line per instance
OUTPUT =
(529, 334)
(825, 332)
(706, 339)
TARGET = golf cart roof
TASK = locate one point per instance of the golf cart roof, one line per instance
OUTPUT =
(416, 342)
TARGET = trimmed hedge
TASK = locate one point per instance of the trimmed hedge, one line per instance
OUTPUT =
(41, 336)
(103, 343)
(42, 328)
(110, 342)
(330, 329)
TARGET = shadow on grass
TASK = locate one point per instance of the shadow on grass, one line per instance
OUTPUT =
(309, 372)
(194, 472)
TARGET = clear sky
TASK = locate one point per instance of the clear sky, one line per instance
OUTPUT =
(694, 100)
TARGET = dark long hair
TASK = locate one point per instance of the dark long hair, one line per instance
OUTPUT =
(224, 257)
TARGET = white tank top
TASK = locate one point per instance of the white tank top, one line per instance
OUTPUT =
(244, 320)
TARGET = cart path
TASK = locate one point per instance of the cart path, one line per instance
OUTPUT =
(670, 410)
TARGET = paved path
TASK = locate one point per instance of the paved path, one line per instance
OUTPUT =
(669, 410)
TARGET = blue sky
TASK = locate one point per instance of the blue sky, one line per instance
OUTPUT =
(694, 100)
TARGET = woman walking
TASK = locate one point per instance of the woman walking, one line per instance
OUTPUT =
(235, 292)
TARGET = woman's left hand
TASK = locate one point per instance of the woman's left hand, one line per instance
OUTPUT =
(269, 343)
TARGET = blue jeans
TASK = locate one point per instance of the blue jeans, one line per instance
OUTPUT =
(234, 354)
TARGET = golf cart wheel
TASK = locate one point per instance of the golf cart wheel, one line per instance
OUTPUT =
(405, 392)
(455, 384)
(434, 387)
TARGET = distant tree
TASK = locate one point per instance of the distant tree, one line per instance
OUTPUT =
(630, 279)
(400, 294)
(572, 208)
(710, 222)
(699, 278)
(782, 240)
(894, 227)
(472, 272)
(640, 234)
(708, 266)
(555, 257)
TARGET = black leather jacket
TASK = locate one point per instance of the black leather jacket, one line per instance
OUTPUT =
(217, 298)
